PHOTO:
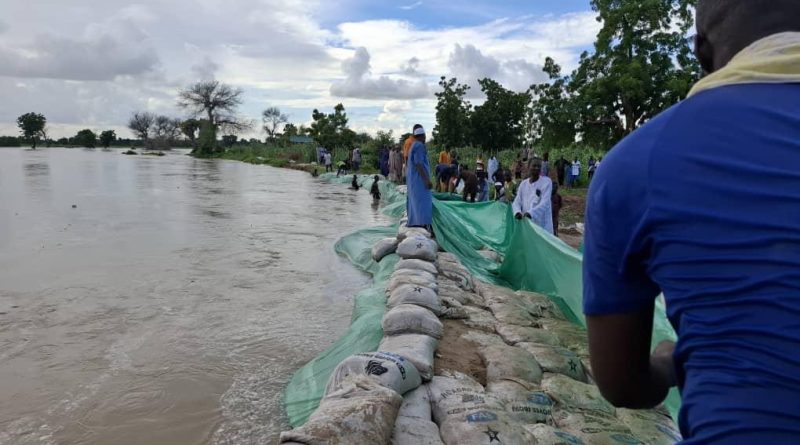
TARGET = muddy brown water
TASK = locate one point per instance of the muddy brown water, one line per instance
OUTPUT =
(172, 303)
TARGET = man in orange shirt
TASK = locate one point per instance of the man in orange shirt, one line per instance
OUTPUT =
(407, 148)
(444, 158)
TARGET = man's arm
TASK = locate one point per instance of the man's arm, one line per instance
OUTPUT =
(423, 174)
(622, 366)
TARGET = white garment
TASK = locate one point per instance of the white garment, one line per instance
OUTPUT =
(328, 160)
(538, 205)
(493, 166)
(576, 168)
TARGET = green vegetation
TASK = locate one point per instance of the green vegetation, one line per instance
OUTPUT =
(85, 138)
(32, 126)
(107, 138)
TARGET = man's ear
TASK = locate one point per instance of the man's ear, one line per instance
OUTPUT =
(704, 52)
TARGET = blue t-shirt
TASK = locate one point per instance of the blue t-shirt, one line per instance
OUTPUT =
(703, 204)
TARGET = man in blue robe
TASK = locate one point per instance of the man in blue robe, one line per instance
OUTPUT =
(420, 200)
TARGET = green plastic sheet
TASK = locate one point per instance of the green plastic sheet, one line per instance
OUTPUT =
(534, 260)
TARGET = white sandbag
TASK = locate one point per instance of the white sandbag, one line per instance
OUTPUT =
(482, 339)
(505, 362)
(519, 334)
(573, 337)
(651, 427)
(418, 349)
(417, 404)
(448, 288)
(511, 314)
(557, 360)
(417, 247)
(523, 404)
(411, 319)
(453, 310)
(418, 295)
(383, 248)
(425, 266)
(547, 435)
(484, 428)
(490, 255)
(458, 274)
(447, 256)
(397, 281)
(414, 273)
(390, 370)
(572, 394)
(547, 307)
(411, 431)
(403, 232)
(452, 396)
(480, 319)
(362, 411)
(595, 428)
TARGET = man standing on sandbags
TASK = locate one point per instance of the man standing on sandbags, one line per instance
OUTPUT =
(722, 242)
(420, 200)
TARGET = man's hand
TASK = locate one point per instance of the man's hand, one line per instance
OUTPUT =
(518, 216)
(662, 362)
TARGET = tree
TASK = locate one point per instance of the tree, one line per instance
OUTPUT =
(216, 100)
(141, 123)
(189, 128)
(166, 131)
(499, 122)
(452, 114)
(384, 138)
(32, 125)
(107, 137)
(641, 65)
(207, 141)
(229, 140)
(272, 118)
(85, 138)
(552, 118)
(330, 130)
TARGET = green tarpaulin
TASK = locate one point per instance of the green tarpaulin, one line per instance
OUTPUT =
(533, 260)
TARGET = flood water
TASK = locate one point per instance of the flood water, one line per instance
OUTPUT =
(173, 302)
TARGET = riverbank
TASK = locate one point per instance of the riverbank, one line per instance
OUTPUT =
(517, 361)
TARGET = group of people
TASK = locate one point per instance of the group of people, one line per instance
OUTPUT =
(344, 166)
(569, 173)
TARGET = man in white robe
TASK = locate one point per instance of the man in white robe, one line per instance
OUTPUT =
(533, 199)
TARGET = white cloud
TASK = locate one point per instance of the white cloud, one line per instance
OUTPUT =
(411, 6)
(358, 82)
(469, 64)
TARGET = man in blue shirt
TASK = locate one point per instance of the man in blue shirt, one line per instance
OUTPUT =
(702, 204)
(420, 200)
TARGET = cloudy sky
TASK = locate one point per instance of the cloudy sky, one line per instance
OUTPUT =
(91, 63)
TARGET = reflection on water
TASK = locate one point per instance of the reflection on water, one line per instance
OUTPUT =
(172, 303)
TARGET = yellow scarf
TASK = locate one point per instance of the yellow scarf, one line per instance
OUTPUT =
(774, 59)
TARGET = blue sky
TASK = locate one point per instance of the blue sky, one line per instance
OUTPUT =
(92, 66)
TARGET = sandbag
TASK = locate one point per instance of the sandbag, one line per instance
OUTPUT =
(572, 394)
(453, 310)
(414, 425)
(520, 334)
(547, 435)
(523, 403)
(595, 428)
(417, 247)
(448, 288)
(424, 266)
(362, 411)
(480, 319)
(412, 431)
(482, 338)
(404, 232)
(417, 404)
(383, 248)
(414, 273)
(509, 313)
(411, 319)
(389, 370)
(557, 360)
(467, 415)
(545, 304)
(457, 274)
(509, 363)
(418, 349)
(418, 295)
(397, 281)
(651, 427)
(491, 255)
(573, 337)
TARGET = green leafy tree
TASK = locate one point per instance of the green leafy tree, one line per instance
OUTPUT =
(107, 137)
(330, 129)
(229, 139)
(219, 103)
(452, 114)
(552, 118)
(85, 138)
(499, 122)
(32, 126)
(189, 128)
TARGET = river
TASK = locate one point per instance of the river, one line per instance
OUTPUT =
(163, 300)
